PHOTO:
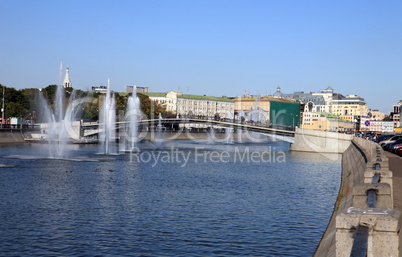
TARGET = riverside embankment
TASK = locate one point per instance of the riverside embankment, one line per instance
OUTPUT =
(350, 210)
(360, 162)
(11, 136)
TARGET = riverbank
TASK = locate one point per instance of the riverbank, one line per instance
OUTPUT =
(357, 168)
(11, 137)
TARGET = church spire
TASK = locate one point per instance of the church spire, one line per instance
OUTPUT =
(67, 81)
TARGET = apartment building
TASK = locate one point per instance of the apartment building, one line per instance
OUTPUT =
(185, 105)
(351, 105)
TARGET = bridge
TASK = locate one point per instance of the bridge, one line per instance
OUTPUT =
(176, 124)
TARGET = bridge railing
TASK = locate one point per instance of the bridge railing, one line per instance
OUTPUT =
(234, 123)
(19, 126)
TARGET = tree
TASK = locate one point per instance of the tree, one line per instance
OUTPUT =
(25, 103)
(16, 104)
(150, 108)
(49, 93)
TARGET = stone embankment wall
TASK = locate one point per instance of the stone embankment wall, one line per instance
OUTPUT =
(11, 136)
(307, 140)
(350, 210)
(186, 135)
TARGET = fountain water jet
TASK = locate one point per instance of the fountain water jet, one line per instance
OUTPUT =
(229, 131)
(228, 135)
(159, 138)
(133, 115)
(240, 131)
(211, 136)
(56, 133)
(107, 133)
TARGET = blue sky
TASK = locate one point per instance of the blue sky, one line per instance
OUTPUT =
(207, 47)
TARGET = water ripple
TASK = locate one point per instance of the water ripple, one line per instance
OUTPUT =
(204, 209)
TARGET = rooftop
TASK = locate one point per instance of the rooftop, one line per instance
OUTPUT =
(264, 98)
(332, 117)
(195, 97)
(206, 98)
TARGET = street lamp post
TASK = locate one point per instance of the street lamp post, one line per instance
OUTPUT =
(293, 118)
(2, 108)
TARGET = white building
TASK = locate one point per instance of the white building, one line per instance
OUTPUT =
(396, 114)
(377, 125)
(100, 89)
(130, 89)
(313, 102)
(194, 105)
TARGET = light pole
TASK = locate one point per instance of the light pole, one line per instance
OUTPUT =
(293, 119)
(2, 108)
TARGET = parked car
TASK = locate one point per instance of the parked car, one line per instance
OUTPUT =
(396, 147)
(392, 139)
(399, 152)
(390, 146)
(383, 137)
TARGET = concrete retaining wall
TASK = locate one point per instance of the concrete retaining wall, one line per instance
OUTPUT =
(320, 141)
(204, 136)
(384, 222)
(9, 137)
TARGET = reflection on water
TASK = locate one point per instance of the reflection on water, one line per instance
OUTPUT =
(127, 206)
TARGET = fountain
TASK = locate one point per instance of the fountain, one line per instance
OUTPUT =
(107, 118)
(229, 130)
(57, 126)
(56, 133)
(211, 136)
(133, 115)
(240, 131)
(159, 138)
(228, 135)
(257, 117)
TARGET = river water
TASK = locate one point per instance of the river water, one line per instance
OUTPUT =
(185, 199)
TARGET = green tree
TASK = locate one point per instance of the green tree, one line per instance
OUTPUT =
(387, 118)
(32, 97)
(49, 93)
(150, 108)
(90, 110)
(16, 104)
(25, 103)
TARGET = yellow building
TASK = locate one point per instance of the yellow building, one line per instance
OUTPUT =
(325, 121)
(376, 115)
(246, 103)
(351, 105)
(349, 118)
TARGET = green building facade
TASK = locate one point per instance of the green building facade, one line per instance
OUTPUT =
(285, 113)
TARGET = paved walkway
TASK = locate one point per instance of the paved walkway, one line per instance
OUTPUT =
(395, 165)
